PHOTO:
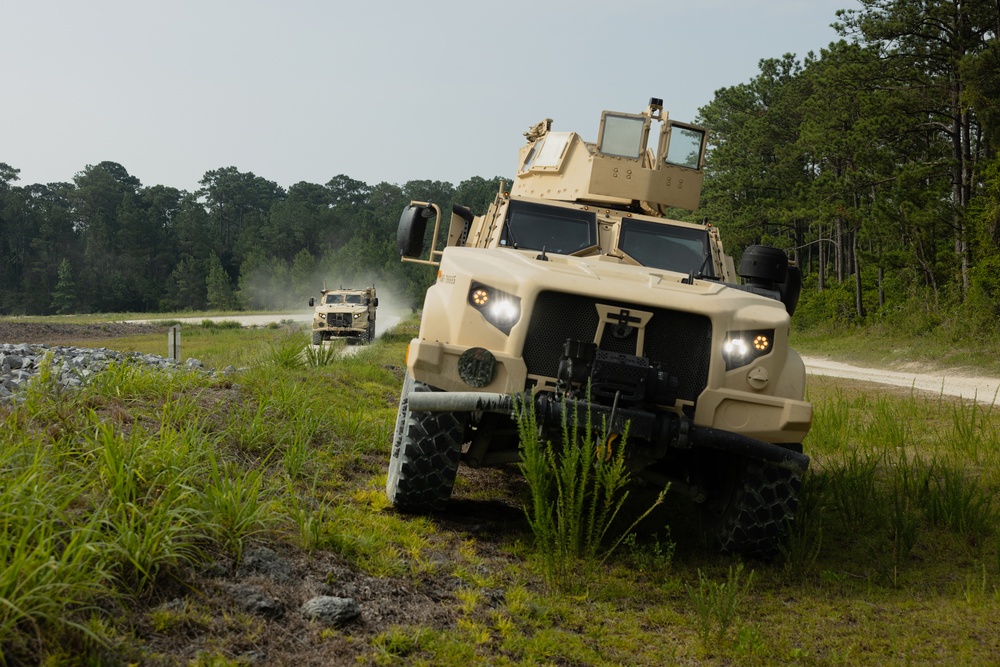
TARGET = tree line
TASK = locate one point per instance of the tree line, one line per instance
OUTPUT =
(106, 243)
(873, 164)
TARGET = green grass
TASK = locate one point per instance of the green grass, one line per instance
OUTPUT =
(127, 507)
(895, 349)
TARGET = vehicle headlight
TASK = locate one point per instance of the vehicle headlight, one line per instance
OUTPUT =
(742, 347)
(357, 316)
(500, 309)
(322, 316)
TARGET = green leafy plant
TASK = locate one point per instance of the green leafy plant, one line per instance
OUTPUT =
(317, 356)
(716, 604)
(235, 506)
(577, 489)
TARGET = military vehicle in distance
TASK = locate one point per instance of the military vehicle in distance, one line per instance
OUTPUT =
(344, 313)
(574, 291)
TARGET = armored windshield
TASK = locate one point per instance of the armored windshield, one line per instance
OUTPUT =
(685, 146)
(334, 298)
(353, 298)
(669, 247)
(557, 230)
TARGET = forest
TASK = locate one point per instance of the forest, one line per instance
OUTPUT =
(872, 163)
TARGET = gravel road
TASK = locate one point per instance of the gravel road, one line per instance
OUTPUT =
(946, 382)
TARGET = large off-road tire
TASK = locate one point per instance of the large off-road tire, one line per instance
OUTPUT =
(368, 335)
(752, 508)
(425, 451)
(317, 338)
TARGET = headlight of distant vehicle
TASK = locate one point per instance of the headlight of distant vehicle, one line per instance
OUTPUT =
(500, 309)
(357, 316)
(742, 347)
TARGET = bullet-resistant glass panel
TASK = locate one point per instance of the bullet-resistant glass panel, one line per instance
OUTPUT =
(685, 146)
(560, 231)
(550, 155)
(669, 247)
(530, 160)
(622, 135)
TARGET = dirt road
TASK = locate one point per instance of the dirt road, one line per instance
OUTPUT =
(946, 382)
(383, 322)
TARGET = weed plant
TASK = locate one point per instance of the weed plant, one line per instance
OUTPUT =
(716, 605)
(578, 487)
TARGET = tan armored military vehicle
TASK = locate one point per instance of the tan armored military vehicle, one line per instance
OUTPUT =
(574, 279)
(344, 313)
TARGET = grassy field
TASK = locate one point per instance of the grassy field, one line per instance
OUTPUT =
(129, 509)
(897, 348)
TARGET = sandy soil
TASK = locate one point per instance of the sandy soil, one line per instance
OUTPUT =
(36, 333)
(938, 382)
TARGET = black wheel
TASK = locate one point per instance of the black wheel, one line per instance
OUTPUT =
(317, 338)
(752, 507)
(425, 451)
(371, 331)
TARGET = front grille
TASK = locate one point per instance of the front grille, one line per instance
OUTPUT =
(339, 319)
(679, 343)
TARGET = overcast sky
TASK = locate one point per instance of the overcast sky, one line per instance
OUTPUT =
(303, 90)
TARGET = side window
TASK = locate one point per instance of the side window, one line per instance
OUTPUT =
(562, 231)
(669, 247)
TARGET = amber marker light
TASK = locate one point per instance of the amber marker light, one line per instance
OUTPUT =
(761, 343)
(480, 297)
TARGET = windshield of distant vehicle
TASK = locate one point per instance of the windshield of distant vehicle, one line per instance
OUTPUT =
(334, 298)
(669, 247)
(562, 231)
(353, 298)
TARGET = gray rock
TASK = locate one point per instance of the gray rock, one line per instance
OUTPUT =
(266, 562)
(256, 601)
(71, 367)
(331, 610)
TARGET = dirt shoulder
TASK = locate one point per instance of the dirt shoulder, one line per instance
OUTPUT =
(37, 333)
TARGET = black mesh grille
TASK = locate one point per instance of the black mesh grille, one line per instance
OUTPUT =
(679, 343)
(339, 319)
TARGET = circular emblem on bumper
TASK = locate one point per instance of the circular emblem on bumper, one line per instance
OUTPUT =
(477, 366)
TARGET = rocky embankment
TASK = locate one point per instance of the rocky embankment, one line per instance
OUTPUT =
(69, 366)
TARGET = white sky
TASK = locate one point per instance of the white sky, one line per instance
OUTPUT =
(390, 90)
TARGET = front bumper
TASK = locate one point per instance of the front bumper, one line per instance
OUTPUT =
(666, 430)
(764, 417)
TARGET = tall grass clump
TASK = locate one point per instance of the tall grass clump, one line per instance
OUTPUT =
(51, 561)
(287, 351)
(316, 356)
(716, 604)
(235, 505)
(577, 488)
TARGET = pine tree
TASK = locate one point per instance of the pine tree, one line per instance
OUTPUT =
(64, 299)
(219, 288)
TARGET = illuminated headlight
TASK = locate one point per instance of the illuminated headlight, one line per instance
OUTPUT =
(500, 309)
(357, 316)
(322, 316)
(742, 347)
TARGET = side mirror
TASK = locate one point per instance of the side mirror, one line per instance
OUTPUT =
(791, 288)
(375, 302)
(767, 272)
(412, 226)
(764, 266)
(312, 302)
